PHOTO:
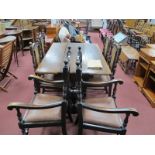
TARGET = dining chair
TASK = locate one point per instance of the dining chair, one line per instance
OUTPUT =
(41, 40)
(42, 82)
(6, 52)
(112, 60)
(101, 113)
(107, 48)
(44, 110)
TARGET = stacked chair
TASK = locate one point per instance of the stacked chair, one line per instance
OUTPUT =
(101, 114)
(139, 41)
(113, 27)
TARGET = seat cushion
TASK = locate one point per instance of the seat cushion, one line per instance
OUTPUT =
(99, 78)
(51, 114)
(98, 118)
(49, 76)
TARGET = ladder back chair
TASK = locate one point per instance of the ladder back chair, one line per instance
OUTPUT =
(41, 40)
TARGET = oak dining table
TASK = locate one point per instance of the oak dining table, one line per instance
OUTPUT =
(53, 61)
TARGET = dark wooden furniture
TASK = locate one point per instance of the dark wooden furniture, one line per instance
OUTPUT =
(101, 114)
(107, 47)
(128, 58)
(52, 63)
(41, 40)
(42, 82)
(35, 51)
(6, 52)
(45, 110)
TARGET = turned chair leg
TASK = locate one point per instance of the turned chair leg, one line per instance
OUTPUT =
(64, 131)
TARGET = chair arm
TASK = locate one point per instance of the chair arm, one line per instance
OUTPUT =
(110, 110)
(21, 105)
(101, 84)
(35, 77)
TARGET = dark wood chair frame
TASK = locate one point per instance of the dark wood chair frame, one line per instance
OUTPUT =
(112, 88)
(5, 61)
(18, 106)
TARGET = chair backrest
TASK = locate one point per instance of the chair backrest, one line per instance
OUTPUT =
(107, 47)
(110, 24)
(115, 53)
(6, 52)
(36, 54)
(41, 40)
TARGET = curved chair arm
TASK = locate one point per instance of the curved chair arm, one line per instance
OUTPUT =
(102, 84)
(35, 77)
(111, 110)
(21, 105)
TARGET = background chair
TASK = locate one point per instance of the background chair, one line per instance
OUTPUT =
(6, 52)
(112, 60)
(41, 40)
(42, 82)
(44, 110)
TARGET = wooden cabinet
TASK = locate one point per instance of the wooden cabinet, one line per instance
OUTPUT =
(141, 71)
(149, 84)
(52, 31)
(145, 73)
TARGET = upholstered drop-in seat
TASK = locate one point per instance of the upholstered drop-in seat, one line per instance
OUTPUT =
(52, 114)
(100, 78)
(98, 118)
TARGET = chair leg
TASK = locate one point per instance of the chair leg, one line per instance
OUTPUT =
(64, 131)
(12, 75)
(70, 116)
(80, 130)
(3, 89)
(25, 131)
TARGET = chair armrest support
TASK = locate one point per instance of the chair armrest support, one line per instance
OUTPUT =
(35, 77)
(110, 110)
(101, 84)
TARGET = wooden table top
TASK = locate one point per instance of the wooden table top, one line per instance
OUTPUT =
(137, 32)
(150, 46)
(11, 28)
(53, 61)
(7, 39)
(148, 52)
(41, 24)
(12, 32)
(153, 63)
(130, 52)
